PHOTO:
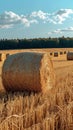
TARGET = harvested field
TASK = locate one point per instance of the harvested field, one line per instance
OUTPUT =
(32, 111)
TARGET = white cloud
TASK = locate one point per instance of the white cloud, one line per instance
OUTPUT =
(60, 31)
(57, 17)
(9, 19)
(6, 26)
(70, 29)
(64, 12)
(61, 15)
(57, 31)
(40, 14)
(34, 21)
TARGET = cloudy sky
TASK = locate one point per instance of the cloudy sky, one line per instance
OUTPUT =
(36, 18)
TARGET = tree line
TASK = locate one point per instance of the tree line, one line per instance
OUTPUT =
(62, 42)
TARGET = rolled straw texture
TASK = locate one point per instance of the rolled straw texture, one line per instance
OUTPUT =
(28, 71)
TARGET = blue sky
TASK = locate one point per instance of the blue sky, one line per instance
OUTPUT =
(36, 18)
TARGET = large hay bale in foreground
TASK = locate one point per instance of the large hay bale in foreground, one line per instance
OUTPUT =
(70, 56)
(28, 71)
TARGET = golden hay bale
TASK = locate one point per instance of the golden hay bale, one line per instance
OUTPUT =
(55, 54)
(51, 53)
(70, 56)
(28, 71)
(64, 52)
(2, 57)
(61, 53)
(7, 55)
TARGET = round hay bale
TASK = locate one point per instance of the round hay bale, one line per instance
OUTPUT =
(64, 52)
(7, 55)
(55, 54)
(70, 56)
(61, 53)
(51, 53)
(28, 71)
(2, 56)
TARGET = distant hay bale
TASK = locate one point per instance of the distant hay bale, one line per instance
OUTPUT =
(7, 55)
(61, 53)
(28, 71)
(2, 57)
(51, 53)
(64, 52)
(70, 56)
(55, 54)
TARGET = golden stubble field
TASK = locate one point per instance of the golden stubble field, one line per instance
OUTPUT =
(32, 111)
